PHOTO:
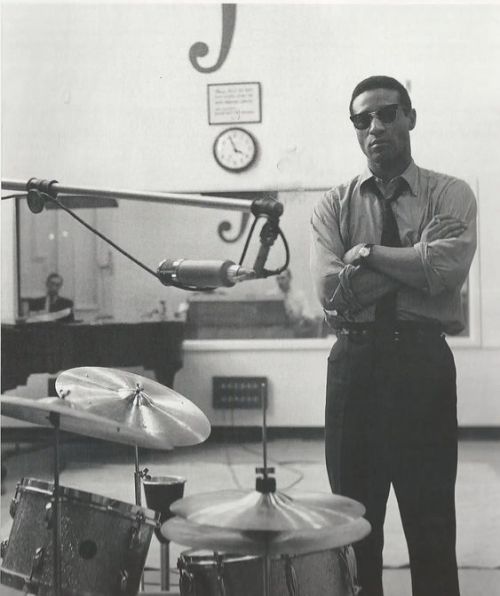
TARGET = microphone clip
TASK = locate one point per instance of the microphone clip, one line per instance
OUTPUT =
(38, 191)
(267, 207)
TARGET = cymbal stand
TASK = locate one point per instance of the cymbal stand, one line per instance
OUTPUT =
(137, 479)
(138, 498)
(266, 484)
(267, 573)
(55, 420)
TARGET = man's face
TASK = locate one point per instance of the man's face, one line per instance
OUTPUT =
(283, 280)
(384, 144)
(53, 286)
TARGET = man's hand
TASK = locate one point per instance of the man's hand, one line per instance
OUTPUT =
(352, 257)
(441, 227)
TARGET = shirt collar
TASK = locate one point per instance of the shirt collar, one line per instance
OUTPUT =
(410, 176)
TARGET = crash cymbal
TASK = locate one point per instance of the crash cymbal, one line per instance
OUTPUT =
(76, 420)
(182, 531)
(135, 402)
(273, 511)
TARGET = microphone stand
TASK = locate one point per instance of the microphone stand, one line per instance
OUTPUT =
(39, 191)
(53, 188)
(55, 420)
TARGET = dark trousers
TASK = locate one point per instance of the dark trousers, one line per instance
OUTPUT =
(391, 418)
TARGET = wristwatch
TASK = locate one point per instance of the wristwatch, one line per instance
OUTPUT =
(364, 252)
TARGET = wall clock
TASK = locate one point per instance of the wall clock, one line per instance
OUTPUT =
(235, 149)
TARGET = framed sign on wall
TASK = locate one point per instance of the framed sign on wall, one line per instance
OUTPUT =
(229, 103)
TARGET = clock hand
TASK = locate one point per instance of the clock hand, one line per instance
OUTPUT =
(234, 146)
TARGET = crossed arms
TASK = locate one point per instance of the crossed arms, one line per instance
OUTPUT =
(439, 261)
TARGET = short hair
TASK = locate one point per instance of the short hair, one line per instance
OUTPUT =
(382, 82)
(52, 276)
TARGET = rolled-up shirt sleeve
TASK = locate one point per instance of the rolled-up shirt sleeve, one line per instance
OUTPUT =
(446, 262)
(330, 274)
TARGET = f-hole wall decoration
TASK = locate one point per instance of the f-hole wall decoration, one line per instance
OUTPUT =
(200, 49)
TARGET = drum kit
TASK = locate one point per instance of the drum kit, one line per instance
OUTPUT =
(258, 542)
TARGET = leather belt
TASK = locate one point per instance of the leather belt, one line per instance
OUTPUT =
(401, 330)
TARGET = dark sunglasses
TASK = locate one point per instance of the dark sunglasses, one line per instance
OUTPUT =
(386, 115)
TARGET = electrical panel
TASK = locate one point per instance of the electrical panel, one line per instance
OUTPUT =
(239, 392)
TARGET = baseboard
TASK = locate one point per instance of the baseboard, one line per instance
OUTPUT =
(254, 433)
(479, 433)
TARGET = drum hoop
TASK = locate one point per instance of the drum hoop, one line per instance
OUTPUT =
(16, 579)
(100, 502)
(193, 559)
(19, 581)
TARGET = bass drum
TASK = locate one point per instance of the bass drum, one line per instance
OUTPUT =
(104, 542)
(326, 573)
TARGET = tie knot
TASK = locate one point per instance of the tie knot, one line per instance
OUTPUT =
(390, 191)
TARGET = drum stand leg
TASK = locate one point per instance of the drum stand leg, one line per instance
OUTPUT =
(138, 499)
(55, 419)
(267, 576)
(165, 566)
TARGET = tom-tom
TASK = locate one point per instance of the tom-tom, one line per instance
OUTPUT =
(104, 542)
(329, 572)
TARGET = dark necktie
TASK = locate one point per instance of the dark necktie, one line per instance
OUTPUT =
(385, 309)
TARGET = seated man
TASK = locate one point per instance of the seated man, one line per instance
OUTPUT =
(52, 302)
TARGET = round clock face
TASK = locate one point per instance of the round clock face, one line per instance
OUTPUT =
(235, 149)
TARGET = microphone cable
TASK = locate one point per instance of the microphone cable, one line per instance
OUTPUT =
(118, 248)
(22, 195)
(267, 272)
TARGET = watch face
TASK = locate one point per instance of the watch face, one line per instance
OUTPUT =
(235, 149)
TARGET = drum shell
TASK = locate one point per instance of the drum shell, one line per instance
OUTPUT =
(102, 540)
(319, 573)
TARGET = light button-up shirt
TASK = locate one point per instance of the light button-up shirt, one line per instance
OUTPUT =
(351, 214)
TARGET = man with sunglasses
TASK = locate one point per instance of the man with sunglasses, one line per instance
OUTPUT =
(391, 250)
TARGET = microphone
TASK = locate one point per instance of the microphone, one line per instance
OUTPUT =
(268, 235)
(272, 210)
(201, 274)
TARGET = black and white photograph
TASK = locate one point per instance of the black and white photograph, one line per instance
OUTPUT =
(250, 340)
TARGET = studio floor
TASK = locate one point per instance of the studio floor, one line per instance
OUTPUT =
(107, 469)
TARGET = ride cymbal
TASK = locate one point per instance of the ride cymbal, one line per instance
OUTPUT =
(76, 420)
(135, 402)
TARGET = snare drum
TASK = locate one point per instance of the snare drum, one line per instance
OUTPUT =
(322, 573)
(104, 542)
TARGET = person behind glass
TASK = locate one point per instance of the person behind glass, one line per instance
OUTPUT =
(296, 308)
(391, 250)
(52, 302)
(294, 301)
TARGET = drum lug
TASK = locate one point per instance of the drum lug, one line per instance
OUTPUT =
(3, 548)
(123, 581)
(290, 576)
(49, 515)
(186, 579)
(13, 506)
(348, 557)
(134, 540)
(219, 560)
(36, 568)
